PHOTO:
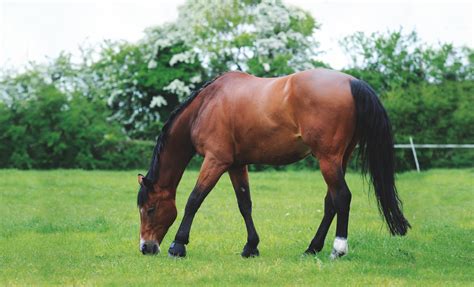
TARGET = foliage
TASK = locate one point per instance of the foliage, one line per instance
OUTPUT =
(49, 129)
(427, 91)
(70, 227)
(144, 82)
(265, 38)
(433, 113)
(395, 59)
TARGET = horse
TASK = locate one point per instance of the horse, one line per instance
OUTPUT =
(238, 119)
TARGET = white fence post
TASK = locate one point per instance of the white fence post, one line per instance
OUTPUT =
(412, 146)
(414, 154)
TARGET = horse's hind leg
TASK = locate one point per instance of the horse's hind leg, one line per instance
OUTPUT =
(240, 182)
(337, 202)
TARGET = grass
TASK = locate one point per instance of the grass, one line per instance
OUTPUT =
(70, 227)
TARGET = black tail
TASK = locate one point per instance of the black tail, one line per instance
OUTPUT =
(377, 154)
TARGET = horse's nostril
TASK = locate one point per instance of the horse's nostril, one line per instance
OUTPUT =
(155, 248)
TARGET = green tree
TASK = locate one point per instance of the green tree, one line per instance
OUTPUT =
(48, 128)
(433, 113)
(143, 82)
(395, 59)
(427, 91)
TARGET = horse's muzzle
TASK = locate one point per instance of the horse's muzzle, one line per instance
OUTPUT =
(149, 247)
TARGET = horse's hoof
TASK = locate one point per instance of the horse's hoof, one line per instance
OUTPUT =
(310, 251)
(336, 254)
(177, 250)
(250, 252)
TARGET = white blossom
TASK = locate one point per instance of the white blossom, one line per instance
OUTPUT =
(178, 87)
(152, 64)
(212, 26)
(266, 67)
(185, 57)
(196, 79)
(269, 16)
(158, 101)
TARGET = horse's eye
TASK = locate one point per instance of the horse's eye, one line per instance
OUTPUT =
(150, 210)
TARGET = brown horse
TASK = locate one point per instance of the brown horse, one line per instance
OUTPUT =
(238, 119)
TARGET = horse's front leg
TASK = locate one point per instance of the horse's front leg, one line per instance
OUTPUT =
(211, 171)
(240, 182)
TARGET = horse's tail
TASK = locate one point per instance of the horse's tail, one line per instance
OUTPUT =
(376, 152)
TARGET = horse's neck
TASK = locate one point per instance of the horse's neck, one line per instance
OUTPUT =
(176, 153)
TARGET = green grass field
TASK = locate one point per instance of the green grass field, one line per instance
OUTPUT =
(70, 227)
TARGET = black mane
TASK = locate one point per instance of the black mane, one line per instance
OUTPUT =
(152, 174)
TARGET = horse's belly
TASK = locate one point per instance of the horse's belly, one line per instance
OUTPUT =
(274, 152)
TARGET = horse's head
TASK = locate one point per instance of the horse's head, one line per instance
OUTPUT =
(157, 213)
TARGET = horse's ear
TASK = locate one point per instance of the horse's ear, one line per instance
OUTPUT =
(140, 178)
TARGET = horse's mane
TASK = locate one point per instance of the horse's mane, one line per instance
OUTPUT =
(152, 174)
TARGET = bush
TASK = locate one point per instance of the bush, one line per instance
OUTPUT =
(128, 154)
(50, 130)
(433, 113)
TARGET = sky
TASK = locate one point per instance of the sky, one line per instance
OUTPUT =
(35, 30)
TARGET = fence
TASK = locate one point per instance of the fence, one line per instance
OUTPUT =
(413, 148)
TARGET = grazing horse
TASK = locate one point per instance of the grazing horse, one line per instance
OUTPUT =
(239, 119)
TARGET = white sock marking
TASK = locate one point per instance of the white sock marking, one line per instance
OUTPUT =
(340, 247)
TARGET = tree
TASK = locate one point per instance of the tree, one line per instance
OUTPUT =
(265, 38)
(395, 59)
(427, 91)
(42, 126)
(143, 82)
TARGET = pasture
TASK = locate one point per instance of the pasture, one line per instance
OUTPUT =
(72, 227)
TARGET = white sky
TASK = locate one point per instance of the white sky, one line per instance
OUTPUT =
(33, 30)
